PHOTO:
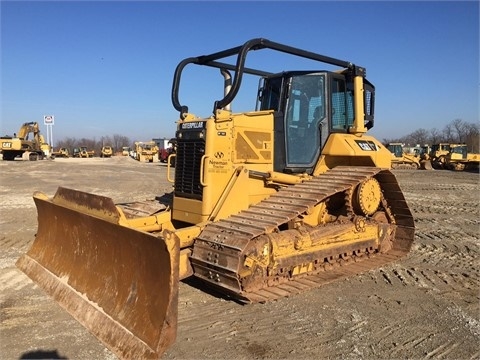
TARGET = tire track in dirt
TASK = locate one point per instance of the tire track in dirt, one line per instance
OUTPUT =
(6, 243)
(451, 267)
(443, 350)
(250, 329)
(444, 208)
(443, 187)
(17, 243)
(16, 202)
(224, 322)
(14, 315)
(399, 342)
(430, 279)
(427, 224)
(440, 352)
(446, 248)
(14, 279)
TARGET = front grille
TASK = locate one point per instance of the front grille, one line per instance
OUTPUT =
(187, 168)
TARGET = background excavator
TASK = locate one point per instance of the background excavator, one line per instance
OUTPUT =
(29, 144)
(266, 203)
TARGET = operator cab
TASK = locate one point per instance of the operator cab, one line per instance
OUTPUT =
(309, 106)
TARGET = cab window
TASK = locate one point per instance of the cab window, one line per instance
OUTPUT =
(342, 105)
(305, 111)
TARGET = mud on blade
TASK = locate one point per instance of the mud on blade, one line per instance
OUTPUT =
(120, 283)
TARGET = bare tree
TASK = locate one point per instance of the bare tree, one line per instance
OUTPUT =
(461, 129)
(448, 133)
(68, 143)
(419, 137)
(386, 141)
(106, 140)
(472, 138)
(435, 136)
(120, 141)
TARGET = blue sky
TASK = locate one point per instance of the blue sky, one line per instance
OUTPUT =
(106, 67)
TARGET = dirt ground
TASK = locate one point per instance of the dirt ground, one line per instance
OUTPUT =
(425, 306)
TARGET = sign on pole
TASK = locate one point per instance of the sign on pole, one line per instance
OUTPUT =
(49, 120)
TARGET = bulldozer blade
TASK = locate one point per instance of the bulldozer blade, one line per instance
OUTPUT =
(426, 165)
(120, 283)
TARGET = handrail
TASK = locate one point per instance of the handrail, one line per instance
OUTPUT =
(240, 69)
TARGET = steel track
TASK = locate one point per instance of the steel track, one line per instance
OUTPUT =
(218, 251)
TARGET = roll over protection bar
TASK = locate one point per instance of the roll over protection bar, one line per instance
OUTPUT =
(239, 67)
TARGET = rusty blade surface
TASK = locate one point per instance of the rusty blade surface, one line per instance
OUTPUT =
(121, 284)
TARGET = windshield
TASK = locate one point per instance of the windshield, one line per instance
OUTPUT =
(459, 150)
(305, 111)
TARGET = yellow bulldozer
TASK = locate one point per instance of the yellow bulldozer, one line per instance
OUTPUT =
(460, 159)
(28, 144)
(83, 152)
(434, 157)
(449, 156)
(266, 203)
(402, 160)
(106, 151)
(146, 151)
(62, 152)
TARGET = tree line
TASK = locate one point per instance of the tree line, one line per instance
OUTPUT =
(116, 141)
(456, 132)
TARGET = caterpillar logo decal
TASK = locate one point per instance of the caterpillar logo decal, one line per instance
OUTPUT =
(366, 145)
(192, 125)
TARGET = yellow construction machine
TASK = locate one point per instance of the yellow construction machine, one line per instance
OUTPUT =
(436, 158)
(106, 151)
(29, 144)
(266, 203)
(425, 161)
(83, 152)
(145, 151)
(402, 160)
(62, 152)
(460, 159)
(448, 156)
